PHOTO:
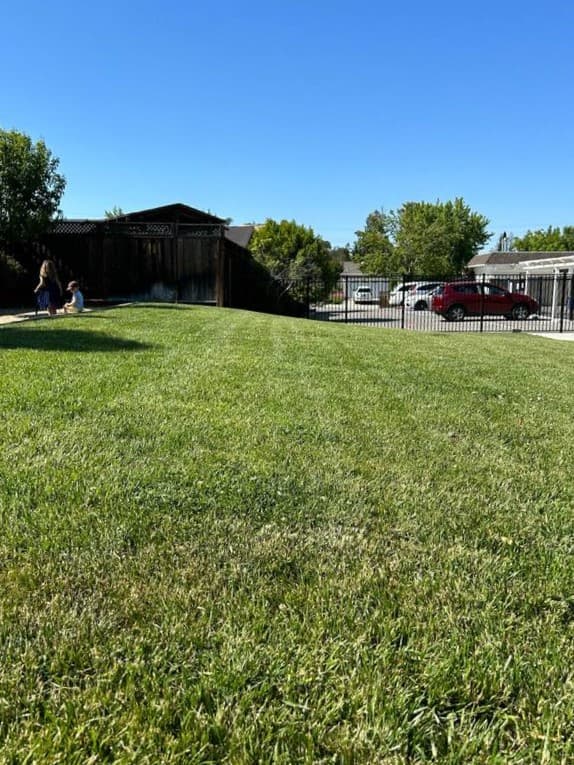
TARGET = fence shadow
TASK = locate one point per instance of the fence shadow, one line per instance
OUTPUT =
(181, 306)
(337, 318)
(65, 339)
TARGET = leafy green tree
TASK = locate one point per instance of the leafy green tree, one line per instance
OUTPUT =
(439, 238)
(30, 188)
(552, 239)
(341, 254)
(296, 255)
(421, 238)
(374, 249)
(115, 212)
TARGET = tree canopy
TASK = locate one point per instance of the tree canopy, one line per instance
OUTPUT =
(293, 252)
(551, 239)
(30, 187)
(115, 212)
(341, 254)
(374, 248)
(421, 238)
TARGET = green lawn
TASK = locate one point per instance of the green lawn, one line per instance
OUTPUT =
(227, 537)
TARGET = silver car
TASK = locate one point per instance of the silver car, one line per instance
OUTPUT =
(364, 294)
(397, 295)
(419, 297)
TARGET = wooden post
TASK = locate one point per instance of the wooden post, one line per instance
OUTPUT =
(174, 276)
(222, 275)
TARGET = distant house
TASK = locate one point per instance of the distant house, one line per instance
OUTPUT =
(352, 277)
(521, 262)
(547, 276)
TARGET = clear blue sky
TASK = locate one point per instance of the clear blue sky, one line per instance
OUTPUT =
(308, 110)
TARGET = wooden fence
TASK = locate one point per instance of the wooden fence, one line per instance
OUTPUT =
(150, 261)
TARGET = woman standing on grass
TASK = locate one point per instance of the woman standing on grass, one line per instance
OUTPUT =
(49, 289)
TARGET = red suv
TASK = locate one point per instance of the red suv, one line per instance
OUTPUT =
(455, 300)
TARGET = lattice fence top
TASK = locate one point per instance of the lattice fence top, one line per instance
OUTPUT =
(75, 226)
(139, 229)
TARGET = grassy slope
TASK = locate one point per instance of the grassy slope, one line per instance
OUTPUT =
(229, 537)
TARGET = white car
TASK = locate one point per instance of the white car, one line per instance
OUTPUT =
(397, 295)
(364, 294)
(419, 297)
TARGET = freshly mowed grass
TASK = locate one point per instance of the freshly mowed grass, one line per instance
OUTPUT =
(227, 537)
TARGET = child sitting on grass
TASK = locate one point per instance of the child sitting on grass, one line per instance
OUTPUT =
(76, 304)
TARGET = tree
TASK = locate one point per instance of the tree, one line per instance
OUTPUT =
(115, 212)
(292, 253)
(546, 240)
(421, 238)
(374, 249)
(30, 188)
(439, 238)
(341, 254)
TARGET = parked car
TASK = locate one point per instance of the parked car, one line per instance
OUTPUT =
(455, 300)
(418, 298)
(364, 294)
(397, 295)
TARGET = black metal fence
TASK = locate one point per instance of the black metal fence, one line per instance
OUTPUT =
(488, 303)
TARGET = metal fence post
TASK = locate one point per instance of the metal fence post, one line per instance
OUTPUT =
(563, 301)
(308, 296)
(482, 302)
(403, 307)
(346, 295)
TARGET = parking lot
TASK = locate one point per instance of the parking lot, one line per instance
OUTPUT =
(369, 314)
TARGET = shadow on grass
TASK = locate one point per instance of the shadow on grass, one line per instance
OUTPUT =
(172, 306)
(65, 339)
(338, 318)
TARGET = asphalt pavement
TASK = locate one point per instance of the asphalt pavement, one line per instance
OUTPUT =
(8, 316)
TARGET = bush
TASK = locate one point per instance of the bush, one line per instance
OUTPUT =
(12, 279)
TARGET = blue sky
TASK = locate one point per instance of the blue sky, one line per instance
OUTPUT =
(309, 110)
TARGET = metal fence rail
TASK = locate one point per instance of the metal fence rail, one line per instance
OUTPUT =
(390, 302)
